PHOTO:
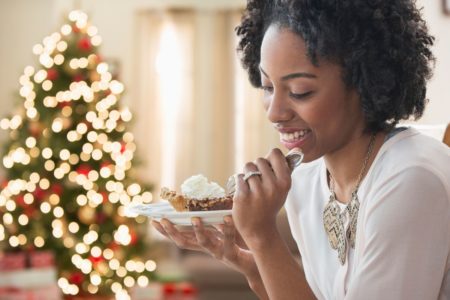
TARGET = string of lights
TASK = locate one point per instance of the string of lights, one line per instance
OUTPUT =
(68, 165)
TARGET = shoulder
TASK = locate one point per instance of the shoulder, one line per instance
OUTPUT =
(410, 150)
(411, 176)
(411, 144)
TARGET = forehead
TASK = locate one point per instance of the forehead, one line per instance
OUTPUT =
(282, 49)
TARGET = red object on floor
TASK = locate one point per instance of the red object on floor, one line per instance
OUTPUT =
(38, 293)
(41, 259)
(169, 289)
(13, 261)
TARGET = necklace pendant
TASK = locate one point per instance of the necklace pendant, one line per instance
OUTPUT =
(334, 227)
(353, 209)
(333, 219)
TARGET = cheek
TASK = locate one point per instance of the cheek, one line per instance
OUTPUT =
(329, 110)
(317, 114)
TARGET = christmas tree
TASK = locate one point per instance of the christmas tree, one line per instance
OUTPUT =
(68, 168)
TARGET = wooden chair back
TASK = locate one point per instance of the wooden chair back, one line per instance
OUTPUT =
(446, 138)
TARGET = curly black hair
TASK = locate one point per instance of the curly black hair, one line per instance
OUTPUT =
(382, 46)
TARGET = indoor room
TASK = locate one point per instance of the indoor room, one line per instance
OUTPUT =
(113, 111)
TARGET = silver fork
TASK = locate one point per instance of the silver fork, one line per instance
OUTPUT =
(294, 158)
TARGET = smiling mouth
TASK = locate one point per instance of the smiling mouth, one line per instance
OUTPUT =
(294, 136)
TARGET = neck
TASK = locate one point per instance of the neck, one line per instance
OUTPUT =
(345, 164)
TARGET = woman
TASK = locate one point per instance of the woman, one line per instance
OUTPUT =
(370, 208)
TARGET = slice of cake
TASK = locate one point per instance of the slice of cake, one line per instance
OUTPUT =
(197, 193)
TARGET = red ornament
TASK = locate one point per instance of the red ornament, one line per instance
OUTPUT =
(57, 189)
(76, 278)
(75, 28)
(84, 44)
(4, 184)
(105, 164)
(96, 259)
(64, 104)
(188, 289)
(100, 218)
(52, 74)
(105, 196)
(169, 289)
(113, 246)
(29, 211)
(84, 169)
(39, 194)
(123, 148)
(20, 201)
(133, 239)
(78, 77)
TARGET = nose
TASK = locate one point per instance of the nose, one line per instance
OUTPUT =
(278, 108)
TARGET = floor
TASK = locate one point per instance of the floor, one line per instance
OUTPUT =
(227, 295)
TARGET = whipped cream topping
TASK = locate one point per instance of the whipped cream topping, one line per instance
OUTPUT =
(198, 187)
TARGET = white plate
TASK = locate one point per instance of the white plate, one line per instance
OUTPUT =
(160, 210)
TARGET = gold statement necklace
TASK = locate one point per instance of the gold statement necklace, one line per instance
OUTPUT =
(334, 219)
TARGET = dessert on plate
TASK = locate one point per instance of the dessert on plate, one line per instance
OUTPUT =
(198, 194)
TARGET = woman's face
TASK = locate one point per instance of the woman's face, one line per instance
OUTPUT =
(309, 105)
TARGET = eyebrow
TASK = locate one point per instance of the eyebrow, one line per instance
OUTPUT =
(292, 75)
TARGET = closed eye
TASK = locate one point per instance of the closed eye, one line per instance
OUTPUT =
(300, 96)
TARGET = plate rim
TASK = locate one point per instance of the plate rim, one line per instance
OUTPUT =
(209, 217)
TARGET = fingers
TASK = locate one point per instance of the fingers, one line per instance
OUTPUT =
(272, 167)
(242, 187)
(279, 163)
(253, 183)
(220, 242)
(229, 242)
(207, 241)
(266, 169)
(159, 227)
(219, 227)
(251, 167)
(179, 238)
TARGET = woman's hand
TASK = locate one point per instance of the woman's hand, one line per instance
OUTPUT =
(222, 242)
(258, 200)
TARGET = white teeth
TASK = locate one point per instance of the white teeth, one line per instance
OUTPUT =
(294, 136)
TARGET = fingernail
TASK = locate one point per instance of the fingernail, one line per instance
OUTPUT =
(195, 222)
(227, 220)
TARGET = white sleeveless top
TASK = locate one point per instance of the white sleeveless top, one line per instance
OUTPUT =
(402, 246)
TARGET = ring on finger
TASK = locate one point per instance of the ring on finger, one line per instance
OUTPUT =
(250, 174)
